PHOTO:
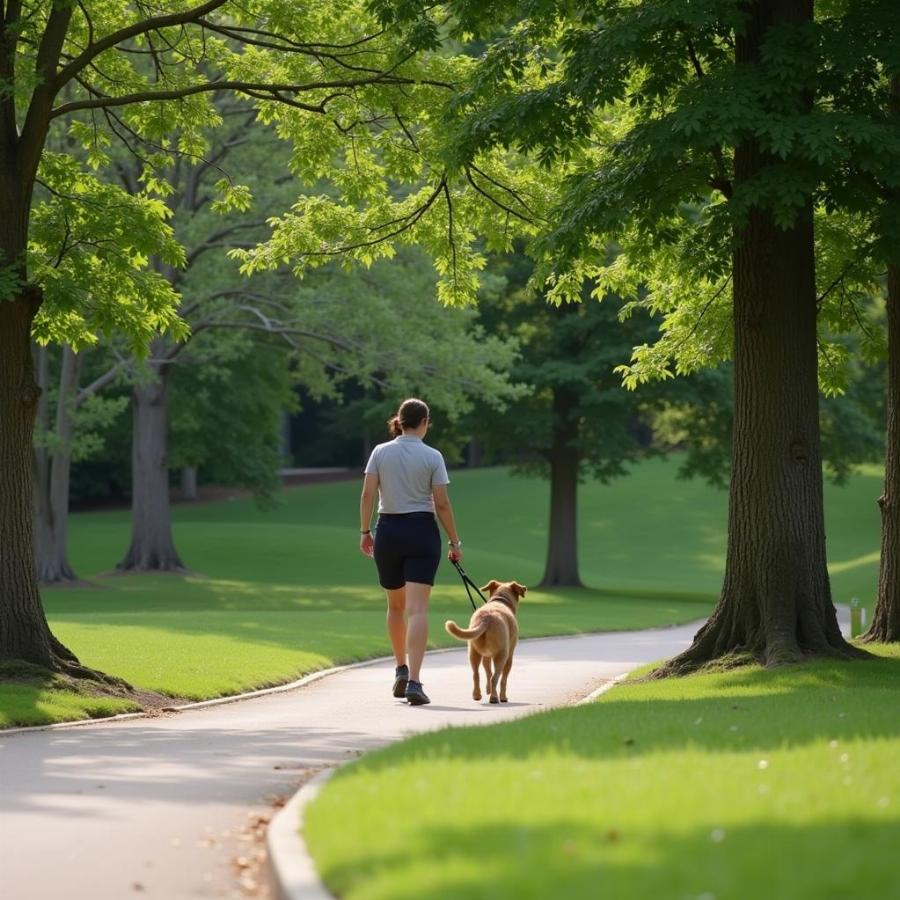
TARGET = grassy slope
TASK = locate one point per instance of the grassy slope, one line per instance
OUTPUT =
(752, 783)
(286, 591)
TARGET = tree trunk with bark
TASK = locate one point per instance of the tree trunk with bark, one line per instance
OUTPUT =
(474, 454)
(886, 618)
(24, 633)
(189, 483)
(776, 598)
(152, 545)
(561, 568)
(52, 467)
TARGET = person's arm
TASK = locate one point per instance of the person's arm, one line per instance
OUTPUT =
(366, 506)
(444, 512)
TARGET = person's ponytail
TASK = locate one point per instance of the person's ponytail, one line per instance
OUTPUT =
(411, 414)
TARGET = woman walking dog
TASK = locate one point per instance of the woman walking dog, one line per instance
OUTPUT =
(410, 480)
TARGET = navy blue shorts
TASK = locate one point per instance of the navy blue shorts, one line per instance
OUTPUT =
(407, 548)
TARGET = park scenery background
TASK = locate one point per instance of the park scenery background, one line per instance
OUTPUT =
(281, 592)
(642, 259)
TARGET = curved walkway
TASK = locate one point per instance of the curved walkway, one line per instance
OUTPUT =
(158, 807)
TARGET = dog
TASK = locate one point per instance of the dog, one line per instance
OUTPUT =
(492, 634)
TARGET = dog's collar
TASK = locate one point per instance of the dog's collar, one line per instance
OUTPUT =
(499, 598)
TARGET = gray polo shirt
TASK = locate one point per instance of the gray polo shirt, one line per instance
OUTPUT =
(407, 470)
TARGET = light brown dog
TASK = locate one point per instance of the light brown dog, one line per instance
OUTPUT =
(492, 634)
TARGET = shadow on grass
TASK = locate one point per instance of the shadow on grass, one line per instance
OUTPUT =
(30, 695)
(754, 710)
(344, 623)
(146, 593)
(501, 858)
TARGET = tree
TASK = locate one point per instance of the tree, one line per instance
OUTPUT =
(208, 291)
(886, 618)
(128, 73)
(70, 423)
(575, 419)
(244, 391)
(700, 140)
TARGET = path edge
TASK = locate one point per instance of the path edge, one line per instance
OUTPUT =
(292, 872)
(289, 686)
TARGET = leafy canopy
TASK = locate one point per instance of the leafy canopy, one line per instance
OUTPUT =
(635, 108)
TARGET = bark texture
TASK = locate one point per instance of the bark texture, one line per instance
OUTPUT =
(152, 546)
(886, 618)
(776, 598)
(24, 633)
(561, 568)
(52, 469)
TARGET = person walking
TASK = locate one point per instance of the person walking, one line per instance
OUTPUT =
(410, 480)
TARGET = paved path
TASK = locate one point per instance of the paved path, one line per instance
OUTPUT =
(155, 807)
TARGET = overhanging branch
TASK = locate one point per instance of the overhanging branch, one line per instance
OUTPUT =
(154, 23)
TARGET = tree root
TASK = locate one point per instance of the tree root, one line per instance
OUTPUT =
(135, 569)
(77, 671)
(69, 675)
(879, 636)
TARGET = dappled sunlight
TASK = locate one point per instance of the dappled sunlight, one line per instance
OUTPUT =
(868, 559)
(714, 562)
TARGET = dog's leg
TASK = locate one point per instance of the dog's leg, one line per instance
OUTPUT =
(503, 680)
(475, 662)
(499, 664)
(486, 662)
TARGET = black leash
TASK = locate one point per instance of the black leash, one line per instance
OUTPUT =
(466, 582)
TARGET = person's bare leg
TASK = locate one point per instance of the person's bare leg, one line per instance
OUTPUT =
(396, 623)
(417, 596)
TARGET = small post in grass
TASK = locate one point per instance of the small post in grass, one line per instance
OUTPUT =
(857, 617)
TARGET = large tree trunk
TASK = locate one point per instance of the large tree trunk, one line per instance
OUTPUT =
(561, 568)
(24, 633)
(152, 545)
(886, 619)
(776, 598)
(52, 473)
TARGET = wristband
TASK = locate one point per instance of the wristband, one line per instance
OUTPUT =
(455, 544)
(367, 531)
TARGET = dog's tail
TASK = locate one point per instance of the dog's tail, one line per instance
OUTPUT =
(466, 634)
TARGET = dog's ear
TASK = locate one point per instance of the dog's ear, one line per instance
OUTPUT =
(519, 588)
(491, 586)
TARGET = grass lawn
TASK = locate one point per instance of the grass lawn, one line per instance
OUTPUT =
(283, 592)
(781, 784)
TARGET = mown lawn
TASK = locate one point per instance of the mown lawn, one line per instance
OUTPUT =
(282, 592)
(779, 784)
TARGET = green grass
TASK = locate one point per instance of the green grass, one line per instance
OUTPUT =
(282, 592)
(749, 783)
(42, 699)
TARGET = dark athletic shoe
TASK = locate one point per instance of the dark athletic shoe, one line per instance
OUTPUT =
(415, 695)
(401, 677)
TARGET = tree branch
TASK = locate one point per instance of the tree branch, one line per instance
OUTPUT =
(260, 90)
(37, 119)
(98, 384)
(214, 240)
(407, 222)
(720, 180)
(154, 23)
(9, 34)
